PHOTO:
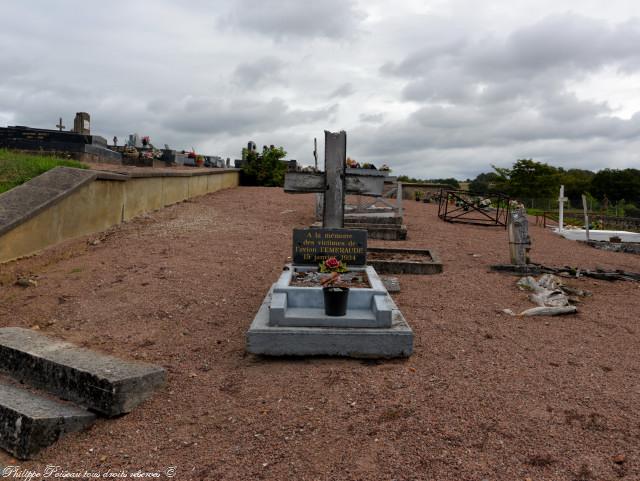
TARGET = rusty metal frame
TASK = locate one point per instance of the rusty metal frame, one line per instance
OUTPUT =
(466, 212)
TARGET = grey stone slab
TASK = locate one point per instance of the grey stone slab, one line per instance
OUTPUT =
(29, 199)
(29, 422)
(264, 339)
(102, 383)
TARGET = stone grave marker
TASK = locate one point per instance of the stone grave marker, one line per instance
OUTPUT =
(82, 123)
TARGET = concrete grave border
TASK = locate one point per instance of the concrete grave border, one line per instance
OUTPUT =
(426, 267)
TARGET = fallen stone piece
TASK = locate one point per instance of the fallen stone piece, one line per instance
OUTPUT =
(29, 422)
(549, 311)
(99, 382)
(392, 284)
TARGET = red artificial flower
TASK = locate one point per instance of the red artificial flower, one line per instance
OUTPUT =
(332, 263)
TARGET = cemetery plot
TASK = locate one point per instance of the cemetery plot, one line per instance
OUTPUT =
(346, 313)
(403, 261)
(313, 278)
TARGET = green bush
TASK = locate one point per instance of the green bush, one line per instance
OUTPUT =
(266, 169)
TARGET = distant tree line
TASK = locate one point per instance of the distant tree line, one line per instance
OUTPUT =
(528, 179)
(450, 181)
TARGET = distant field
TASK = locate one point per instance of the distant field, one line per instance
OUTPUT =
(17, 168)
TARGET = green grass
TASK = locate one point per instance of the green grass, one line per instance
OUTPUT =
(17, 168)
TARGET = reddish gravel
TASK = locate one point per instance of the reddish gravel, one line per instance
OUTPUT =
(485, 396)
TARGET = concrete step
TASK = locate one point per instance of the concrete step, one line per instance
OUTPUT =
(99, 382)
(29, 422)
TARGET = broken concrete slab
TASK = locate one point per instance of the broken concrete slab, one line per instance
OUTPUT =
(29, 422)
(99, 382)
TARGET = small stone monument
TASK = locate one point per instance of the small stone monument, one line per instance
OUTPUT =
(82, 123)
(519, 240)
(292, 320)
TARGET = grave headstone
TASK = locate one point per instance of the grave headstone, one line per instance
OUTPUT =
(82, 123)
(313, 246)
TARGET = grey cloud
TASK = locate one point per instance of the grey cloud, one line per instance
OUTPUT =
(212, 116)
(280, 19)
(259, 72)
(344, 90)
(372, 118)
(453, 95)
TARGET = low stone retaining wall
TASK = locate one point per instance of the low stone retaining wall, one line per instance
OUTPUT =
(65, 203)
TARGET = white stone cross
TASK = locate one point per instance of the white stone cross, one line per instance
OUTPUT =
(561, 200)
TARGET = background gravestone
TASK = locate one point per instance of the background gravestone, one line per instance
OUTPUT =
(82, 123)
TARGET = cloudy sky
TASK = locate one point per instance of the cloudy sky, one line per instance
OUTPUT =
(433, 88)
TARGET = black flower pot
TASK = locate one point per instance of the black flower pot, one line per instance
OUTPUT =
(335, 300)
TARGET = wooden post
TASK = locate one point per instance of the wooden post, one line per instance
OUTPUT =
(519, 240)
(335, 156)
(319, 205)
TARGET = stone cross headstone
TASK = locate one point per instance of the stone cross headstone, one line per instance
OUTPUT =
(334, 183)
(519, 240)
(60, 126)
(561, 200)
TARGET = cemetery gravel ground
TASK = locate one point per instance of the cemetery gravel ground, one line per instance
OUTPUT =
(484, 396)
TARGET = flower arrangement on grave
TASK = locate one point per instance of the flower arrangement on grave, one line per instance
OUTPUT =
(335, 294)
(334, 267)
(384, 168)
(332, 264)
